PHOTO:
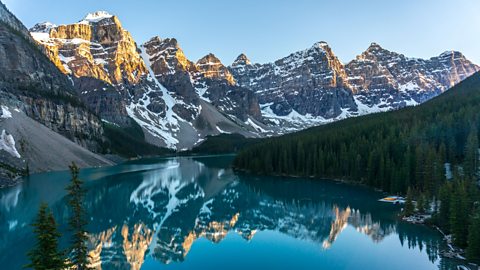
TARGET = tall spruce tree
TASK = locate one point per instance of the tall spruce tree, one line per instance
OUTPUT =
(473, 249)
(459, 211)
(471, 154)
(78, 222)
(46, 254)
(409, 208)
(443, 215)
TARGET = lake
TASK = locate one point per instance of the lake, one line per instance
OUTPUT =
(196, 213)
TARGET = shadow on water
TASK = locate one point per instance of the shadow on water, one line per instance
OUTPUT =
(149, 213)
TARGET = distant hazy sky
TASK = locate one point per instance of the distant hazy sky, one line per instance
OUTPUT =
(266, 30)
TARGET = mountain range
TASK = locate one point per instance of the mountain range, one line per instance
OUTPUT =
(80, 80)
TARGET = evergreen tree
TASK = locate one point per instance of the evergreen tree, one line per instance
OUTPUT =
(421, 203)
(473, 249)
(459, 210)
(396, 151)
(46, 255)
(77, 221)
(409, 208)
(471, 154)
(443, 215)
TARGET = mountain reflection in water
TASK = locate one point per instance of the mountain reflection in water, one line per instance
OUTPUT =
(158, 209)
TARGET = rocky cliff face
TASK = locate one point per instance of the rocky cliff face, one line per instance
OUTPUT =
(32, 88)
(309, 82)
(178, 102)
(97, 46)
(312, 86)
(154, 84)
(208, 79)
(31, 82)
(102, 59)
(386, 80)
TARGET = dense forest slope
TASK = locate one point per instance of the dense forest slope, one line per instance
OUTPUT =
(429, 152)
(392, 150)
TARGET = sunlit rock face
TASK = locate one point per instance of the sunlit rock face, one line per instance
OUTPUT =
(178, 102)
(387, 80)
(310, 82)
(172, 69)
(102, 60)
(153, 84)
(207, 79)
(97, 46)
(312, 87)
(210, 67)
(31, 83)
(114, 79)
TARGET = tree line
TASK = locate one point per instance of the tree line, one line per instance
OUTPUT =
(46, 254)
(408, 149)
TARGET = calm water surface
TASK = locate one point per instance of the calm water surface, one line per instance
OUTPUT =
(195, 213)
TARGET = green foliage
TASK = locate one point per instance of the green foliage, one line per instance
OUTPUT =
(77, 221)
(394, 151)
(473, 250)
(13, 172)
(46, 255)
(409, 208)
(443, 214)
(391, 151)
(459, 214)
(130, 141)
(471, 154)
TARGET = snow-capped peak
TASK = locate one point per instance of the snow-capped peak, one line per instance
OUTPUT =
(208, 60)
(241, 60)
(450, 54)
(97, 16)
(321, 44)
(375, 47)
(43, 27)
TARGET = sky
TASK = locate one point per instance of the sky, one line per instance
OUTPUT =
(266, 30)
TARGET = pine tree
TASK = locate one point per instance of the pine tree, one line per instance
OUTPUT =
(444, 209)
(473, 249)
(459, 215)
(421, 204)
(78, 221)
(46, 255)
(409, 208)
(471, 153)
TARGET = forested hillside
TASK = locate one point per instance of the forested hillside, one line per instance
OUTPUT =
(395, 151)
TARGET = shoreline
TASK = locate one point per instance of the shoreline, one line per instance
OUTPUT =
(452, 252)
(416, 219)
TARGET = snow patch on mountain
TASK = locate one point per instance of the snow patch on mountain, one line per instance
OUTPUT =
(5, 112)
(7, 143)
(164, 127)
(252, 123)
(96, 17)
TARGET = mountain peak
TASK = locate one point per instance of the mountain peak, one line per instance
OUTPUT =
(209, 59)
(454, 54)
(211, 67)
(242, 60)
(321, 44)
(377, 52)
(374, 47)
(43, 27)
(166, 42)
(97, 16)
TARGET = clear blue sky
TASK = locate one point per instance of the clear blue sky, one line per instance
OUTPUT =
(266, 30)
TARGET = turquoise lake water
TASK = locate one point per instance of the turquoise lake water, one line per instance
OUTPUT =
(196, 213)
